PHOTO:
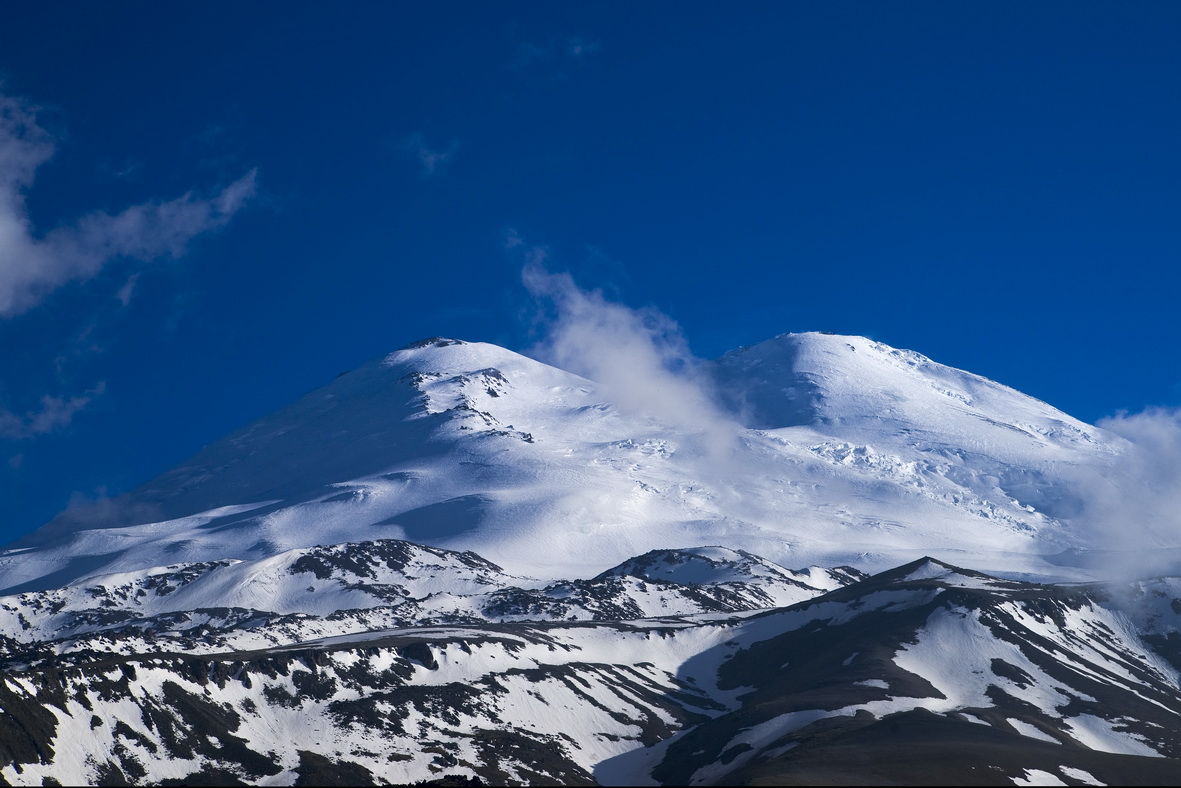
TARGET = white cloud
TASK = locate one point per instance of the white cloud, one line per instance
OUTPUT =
(1130, 510)
(431, 162)
(53, 414)
(1148, 501)
(31, 267)
(638, 357)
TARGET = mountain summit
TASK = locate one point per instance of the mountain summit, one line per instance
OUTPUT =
(839, 451)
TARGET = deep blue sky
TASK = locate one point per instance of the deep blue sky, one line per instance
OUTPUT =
(996, 185)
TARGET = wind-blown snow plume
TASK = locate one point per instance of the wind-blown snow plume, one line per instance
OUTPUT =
(638, 356)
(32, 267)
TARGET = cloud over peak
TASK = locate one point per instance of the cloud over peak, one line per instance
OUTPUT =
(639, 356)
(32, 267)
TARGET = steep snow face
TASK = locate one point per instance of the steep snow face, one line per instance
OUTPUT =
(857, 454)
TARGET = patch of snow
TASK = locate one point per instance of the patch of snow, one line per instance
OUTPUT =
(1032, 731)
(1082, 776)
(1038, 777)
(1100, 734)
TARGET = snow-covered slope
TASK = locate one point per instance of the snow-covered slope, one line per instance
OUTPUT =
(840, 451)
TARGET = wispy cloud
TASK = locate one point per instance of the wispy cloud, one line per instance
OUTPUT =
(1129, 509)
(53, 414)
(123, 296)
(431, 161)
(1147, 501)
(32, 267)
(639, 357)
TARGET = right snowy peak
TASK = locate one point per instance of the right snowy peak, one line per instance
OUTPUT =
(850, 384)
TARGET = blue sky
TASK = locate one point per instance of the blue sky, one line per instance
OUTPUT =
(208, 209)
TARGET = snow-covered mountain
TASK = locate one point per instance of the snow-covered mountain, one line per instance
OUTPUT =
(459, 563)
(831, 450)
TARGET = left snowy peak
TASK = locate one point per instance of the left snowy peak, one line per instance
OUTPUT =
(338, 465)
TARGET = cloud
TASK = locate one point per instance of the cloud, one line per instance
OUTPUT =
(431, 162)
(123, 296)
(638, 357)
(1129, 511)
(1147, 499)
(32, 267)
(54, 413)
